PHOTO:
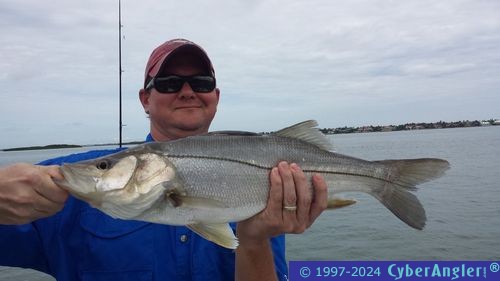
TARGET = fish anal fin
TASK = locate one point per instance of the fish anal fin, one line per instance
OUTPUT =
(337, 203)
(221, 234)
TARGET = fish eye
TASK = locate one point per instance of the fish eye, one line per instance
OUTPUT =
(103, 165)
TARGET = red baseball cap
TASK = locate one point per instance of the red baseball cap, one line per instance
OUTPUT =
(161, 53)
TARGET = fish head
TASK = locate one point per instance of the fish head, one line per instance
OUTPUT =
(134, 177)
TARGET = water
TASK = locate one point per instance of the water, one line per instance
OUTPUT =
(35, 156)
(463, 207)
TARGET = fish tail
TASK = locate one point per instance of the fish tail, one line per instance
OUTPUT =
(404, 176)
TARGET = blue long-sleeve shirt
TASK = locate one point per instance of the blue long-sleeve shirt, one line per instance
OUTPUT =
(82, 243)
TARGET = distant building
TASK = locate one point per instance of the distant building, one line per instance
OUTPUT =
(365, 129)
(490, 122)
(387, 128)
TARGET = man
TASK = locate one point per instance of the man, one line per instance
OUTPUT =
(81, 243)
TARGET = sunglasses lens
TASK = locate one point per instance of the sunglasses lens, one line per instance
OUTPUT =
(173, 84)
(169, 84)
(202, 84)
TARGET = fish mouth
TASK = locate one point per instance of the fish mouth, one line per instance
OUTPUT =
(77, 178)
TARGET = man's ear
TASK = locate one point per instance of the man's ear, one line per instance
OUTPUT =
(217, 93)
(144, 98)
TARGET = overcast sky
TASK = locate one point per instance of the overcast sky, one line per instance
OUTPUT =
(343, 63)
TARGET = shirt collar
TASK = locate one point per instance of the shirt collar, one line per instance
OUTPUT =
(149, 138)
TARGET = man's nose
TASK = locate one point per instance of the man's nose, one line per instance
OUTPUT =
(186, 91)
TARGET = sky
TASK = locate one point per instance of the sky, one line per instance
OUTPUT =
(277, 62)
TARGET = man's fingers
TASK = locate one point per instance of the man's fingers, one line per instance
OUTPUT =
(47, 188)
(46, 207)
(304, 196)
(275, 201)
(320, 197)
(289, 195)
(53, 171)
(29, 193)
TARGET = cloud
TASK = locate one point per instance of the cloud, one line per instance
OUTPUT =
(278, 62)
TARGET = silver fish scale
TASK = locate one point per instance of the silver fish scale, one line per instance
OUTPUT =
(266, 152)
(223, 178)
(240, 188)
(242, 165)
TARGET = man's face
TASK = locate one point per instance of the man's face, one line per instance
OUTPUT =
(184, 113)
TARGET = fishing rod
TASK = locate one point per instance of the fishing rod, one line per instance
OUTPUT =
(120, 69)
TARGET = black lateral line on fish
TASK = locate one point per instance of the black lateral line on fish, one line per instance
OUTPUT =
(270, 167)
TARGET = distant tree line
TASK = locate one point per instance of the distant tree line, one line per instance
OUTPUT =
(409, 126)
(50, 146)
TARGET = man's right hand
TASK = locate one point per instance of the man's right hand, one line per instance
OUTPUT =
(28, 193)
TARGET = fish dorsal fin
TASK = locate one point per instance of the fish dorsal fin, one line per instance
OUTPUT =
(306, 131)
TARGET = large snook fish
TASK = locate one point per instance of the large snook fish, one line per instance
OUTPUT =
(206, 181)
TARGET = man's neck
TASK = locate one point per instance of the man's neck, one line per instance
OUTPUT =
(174, 134)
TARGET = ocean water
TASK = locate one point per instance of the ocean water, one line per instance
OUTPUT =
(463, 207)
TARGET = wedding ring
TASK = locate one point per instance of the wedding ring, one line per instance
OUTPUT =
(290, 208)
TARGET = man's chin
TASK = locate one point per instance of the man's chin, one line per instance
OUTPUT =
(192, 119)
(192, 123)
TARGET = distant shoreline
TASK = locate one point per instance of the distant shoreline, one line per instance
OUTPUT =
(326, 131)
(61, 146)
(50, 146)
(410, 126)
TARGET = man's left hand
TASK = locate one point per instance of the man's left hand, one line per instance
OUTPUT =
(292, 206)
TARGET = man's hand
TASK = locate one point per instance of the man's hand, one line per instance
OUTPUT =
(291, 207)
(28, 192)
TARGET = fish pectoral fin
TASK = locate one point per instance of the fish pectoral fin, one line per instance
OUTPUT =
(221, 234)
(178, 197)
(186, 201)
(336, 203)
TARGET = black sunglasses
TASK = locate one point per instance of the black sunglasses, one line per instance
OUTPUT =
(173, 83)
